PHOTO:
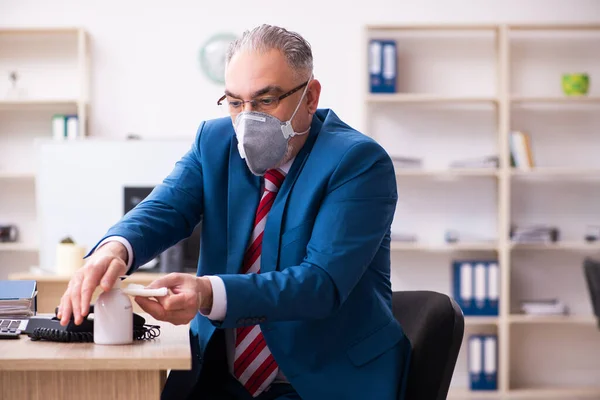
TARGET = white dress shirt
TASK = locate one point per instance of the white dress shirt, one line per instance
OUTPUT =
(219, 306)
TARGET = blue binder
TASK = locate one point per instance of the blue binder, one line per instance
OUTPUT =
(490, 362)
(483, 362)
(476, 286)
(475, 361)
(382, 66)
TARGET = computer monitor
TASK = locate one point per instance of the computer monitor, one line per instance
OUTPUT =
(182, 257)
(591, 269)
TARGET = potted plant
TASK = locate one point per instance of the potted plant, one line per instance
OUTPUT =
(69, 256)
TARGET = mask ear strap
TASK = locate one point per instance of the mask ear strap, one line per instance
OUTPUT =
(287, 129)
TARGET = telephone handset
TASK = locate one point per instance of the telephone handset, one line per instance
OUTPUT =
(52, 330)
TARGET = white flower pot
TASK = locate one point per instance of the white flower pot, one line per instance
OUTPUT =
(69, 258)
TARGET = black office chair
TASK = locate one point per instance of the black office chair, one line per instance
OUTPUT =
(591, 269)
(435, 326)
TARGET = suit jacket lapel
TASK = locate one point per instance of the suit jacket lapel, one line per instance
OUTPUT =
(242, 197)
(272, 233)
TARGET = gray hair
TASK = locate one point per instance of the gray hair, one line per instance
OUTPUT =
(294, 47)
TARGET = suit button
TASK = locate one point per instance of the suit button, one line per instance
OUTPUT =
(262, 319)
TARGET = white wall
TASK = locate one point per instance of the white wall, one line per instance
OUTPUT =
(146, 76)
(88, 197)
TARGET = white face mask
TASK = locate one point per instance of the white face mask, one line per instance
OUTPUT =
(263, 139)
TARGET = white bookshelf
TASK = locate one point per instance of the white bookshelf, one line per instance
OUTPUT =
(461, 90)
(53, 69)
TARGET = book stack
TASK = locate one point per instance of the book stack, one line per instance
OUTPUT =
(401, 162)
(534, 234)
(544, 307)
(404, 237)
(521, 154)
(17, 299)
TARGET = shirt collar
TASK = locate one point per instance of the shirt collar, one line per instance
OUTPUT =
(286, 167)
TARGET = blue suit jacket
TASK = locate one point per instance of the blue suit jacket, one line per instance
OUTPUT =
(323, 297)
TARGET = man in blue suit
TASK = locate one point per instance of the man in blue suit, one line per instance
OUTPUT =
(292, 297)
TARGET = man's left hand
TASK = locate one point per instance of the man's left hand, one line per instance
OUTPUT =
(187, 294)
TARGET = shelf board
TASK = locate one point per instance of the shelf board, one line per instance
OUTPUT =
(17, 175)
(532, 393)
(549, 172)
(37, 31)
(23, 247)
(556, 99)
(431, 27)
(442, 247)
(554, 27)
(555, 393)
(447, 173)
(480, 321)
(556, 246)
(417, 98)
(483, 27)
(47, 103)
(553, 319)
(465, 393)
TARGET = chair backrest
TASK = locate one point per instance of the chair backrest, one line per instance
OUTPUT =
(591, 270)
(435, 326)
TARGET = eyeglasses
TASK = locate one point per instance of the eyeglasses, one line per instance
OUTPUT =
(261, 103)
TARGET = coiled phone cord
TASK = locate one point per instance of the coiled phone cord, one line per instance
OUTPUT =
(148, 332)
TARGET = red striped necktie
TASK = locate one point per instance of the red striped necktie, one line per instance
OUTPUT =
(254, 365)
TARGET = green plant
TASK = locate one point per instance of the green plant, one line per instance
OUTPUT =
(67, 240)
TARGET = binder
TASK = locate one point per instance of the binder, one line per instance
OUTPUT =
(382, 66)
(490, 362)
(476, 286)
(464, 287)
(483, 362)
(493, 289)
(475, 362)
(389, 66)
(480, 287)
(72, 127)
(59, 127)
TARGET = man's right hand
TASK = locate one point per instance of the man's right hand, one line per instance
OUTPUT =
(103, 268)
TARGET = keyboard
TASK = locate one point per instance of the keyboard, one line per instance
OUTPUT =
(12, 325)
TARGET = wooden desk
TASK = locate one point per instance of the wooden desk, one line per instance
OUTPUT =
(52, 287)
(75, 371)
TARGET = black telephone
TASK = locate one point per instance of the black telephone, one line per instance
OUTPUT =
(52, 330)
